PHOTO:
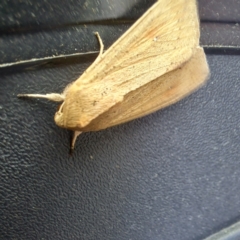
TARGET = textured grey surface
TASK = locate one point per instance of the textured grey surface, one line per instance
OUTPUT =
(49, 29)
(171, 175)
(220, 10)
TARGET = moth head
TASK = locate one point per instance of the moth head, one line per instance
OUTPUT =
(78, 108)
(68, 113)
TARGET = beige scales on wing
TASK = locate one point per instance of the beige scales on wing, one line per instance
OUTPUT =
(156, 63)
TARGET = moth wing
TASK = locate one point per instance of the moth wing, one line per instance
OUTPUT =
(161, 92)
(160, 41)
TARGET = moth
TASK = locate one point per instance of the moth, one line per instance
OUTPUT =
(154, 64)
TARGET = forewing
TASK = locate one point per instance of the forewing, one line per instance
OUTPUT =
(158, 94)
(159, 42)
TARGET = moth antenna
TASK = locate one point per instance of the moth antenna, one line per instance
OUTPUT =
(100, 51)
(75, 135)
(100, 43)
(56, 97)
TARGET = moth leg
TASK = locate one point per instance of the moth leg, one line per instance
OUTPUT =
(56, 97)
(101, 45)
(75, 135)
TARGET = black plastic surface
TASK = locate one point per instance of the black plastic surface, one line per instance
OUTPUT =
(171, 175)
(47, 30)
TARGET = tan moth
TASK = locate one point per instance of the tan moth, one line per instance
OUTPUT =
(157, 62)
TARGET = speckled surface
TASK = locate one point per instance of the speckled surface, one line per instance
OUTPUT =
(171, 175)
